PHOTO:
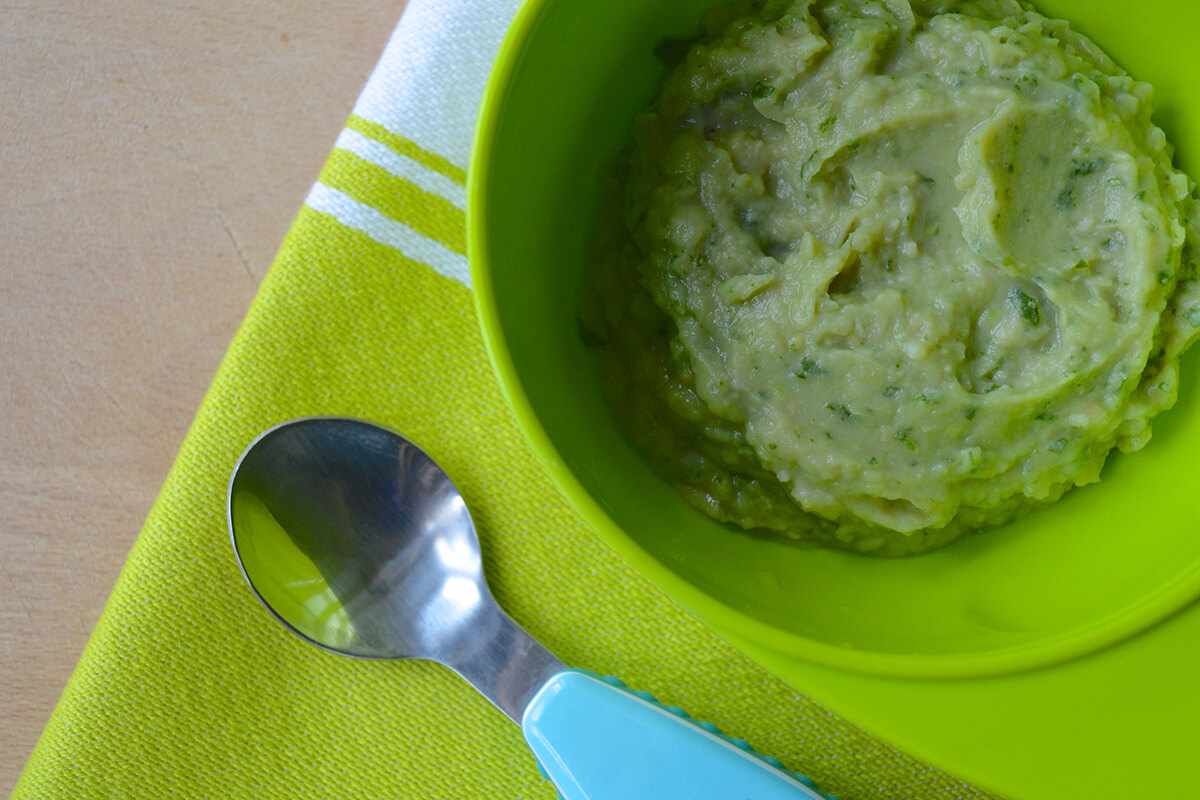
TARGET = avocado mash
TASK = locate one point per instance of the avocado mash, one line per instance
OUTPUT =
(893, 271)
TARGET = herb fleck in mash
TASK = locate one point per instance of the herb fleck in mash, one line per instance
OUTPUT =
(894, 271)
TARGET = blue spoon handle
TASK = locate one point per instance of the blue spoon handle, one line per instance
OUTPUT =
(596, 740)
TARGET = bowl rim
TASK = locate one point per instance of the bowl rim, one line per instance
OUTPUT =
(715, 614)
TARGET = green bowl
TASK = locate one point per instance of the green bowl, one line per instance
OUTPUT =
(1104, 562)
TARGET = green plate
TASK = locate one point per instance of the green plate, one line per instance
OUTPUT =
(915, 648)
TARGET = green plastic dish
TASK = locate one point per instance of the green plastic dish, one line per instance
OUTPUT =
(1102, 564)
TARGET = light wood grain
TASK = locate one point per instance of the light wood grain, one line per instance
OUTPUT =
(152, 156)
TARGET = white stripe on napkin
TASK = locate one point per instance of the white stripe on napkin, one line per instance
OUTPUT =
(385, 230)
(429, 82)
(401, 166)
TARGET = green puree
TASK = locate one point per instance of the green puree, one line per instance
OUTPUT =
(889, 273)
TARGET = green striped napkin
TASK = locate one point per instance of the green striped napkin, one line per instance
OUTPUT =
(188, 688)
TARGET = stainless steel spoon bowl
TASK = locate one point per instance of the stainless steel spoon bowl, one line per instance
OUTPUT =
(356, 540)
(360, 543)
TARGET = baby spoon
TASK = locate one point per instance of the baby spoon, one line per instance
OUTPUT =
(358, 542)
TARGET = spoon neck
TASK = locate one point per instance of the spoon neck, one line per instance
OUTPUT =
(504, 663)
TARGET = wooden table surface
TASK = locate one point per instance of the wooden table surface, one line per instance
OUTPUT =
(152, 157)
